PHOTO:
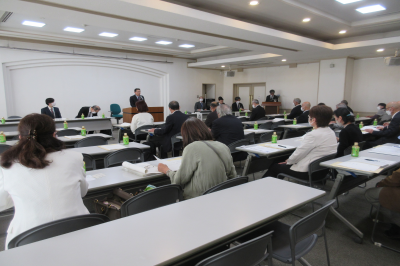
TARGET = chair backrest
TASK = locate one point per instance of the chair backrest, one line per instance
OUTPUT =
(115, 109)
(267, 125)
(249, 253)
(309, 224)
(56, 228)
(14, 116)
(138, 131)
(4, 147)
(174, 139)
(266, 137)
(251, 137)
(232, 147)
(277, 124)
(347, 151)
(68, 132)
(91, 141)
(263, 118)
(228, 184)
(242, 119)
(90, 162)
(315, 166)
(132, 155)
(152, 199)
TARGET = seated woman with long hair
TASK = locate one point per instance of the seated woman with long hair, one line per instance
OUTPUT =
(205, 163)
(39, 178)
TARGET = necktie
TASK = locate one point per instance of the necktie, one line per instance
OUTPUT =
(201, 105)
(51, 109)
(238, 105)
(90, 114)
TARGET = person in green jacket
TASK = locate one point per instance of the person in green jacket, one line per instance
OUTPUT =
(205, 163)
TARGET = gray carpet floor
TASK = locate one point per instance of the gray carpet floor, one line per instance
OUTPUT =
(342, 249)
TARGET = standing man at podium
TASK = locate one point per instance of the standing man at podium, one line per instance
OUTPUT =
(272, 97)
(136, 97)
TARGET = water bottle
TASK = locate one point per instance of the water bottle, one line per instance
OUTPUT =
(358, 116)
(65, 125)
(2, 137)
(274, 138)
(295, 121)
(103, 116)
(375, 122)
(355, 150)
(285, 116)
(255, 125)
(3, 121)
(84, 166)
(125, 139)
(245, 114)
(83, 131)
(361, 125)
(82, 116)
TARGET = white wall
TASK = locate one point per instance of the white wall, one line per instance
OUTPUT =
(373, 83)
(30, 77)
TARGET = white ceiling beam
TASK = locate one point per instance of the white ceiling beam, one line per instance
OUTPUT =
(232, 60)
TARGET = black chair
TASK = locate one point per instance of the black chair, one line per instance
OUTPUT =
(90, 162)
(263, 118)
(132, 155)
(4, 147)
(251, 137)
(139, 132)
(242, 119)
(250, 253)
(14, 116)
(228, 184)
(68, 132)
(56, 228)
(238, 155)
(176, 143)
(277, 124)
(266, 137)
(267, 125)
(347, 151)
(91, 141)
(152, 199)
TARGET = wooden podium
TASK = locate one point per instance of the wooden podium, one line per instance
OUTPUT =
(271, 107)
(156, 112)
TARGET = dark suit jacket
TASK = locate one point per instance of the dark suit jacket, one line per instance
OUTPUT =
(390, 133)
(270, 99)
(296, 111)
(257, 113)
(235, 107)
(85, 112)
(172, 126)
(46, 111)
(303, 118)
(227, 129)
(210, 118)
(351, 110)
(198, 106)
(134, 99)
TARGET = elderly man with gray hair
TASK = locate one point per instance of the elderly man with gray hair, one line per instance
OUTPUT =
(296, 111)
(257, 112)
(87, 111)
(227, 128)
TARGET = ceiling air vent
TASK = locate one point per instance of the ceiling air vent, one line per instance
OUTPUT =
(393, 60)
(5, 15)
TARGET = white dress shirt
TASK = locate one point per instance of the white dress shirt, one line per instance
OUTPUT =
(141, 119)
(43, 195)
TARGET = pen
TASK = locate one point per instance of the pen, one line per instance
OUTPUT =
(282, 146)
(371, 160)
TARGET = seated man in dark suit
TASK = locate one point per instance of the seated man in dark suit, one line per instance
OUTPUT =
(51, 110)
(305, 108)
(200, 105)
(227, 128)
(136, 97)
(257, 112)
(390, 133)
(347, 105)
(213, 115)
(296, 111)
(271, 97)
(172, 126)
(88, 111)
(237, 106)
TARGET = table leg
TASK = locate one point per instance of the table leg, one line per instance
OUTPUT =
(285, 131)
(247, 165)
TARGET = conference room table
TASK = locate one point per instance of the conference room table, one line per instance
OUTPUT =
(176, 234)
(12, 134)
(362, 119)
(128, 125)
(265, 121)
(343, 184)
(287, 128)
(90, 123)
(97, 150)
(258, 160)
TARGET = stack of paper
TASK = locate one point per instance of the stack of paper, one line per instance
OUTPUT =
(112, 147)
(370, 127)
(75, 137)
(278, 119)
(173, 163)
(366, 164)
(142, 169)
(387, 149)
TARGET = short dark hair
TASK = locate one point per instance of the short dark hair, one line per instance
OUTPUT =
(220, 98)
(271, 91)
(345, 114)
(322, 114)
(383, 105)
(137, 89)
(174, 105)
(142, 106)
(49, 100)
(214, 105)
(237, 98)
(321, 104)
(194, 129)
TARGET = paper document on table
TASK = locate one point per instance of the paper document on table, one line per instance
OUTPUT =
(75, 137)
(278, 119)
(257, 130)
(373, 161)
(388, 150)
(90, 178)
(260, 149)
(125, 125)
(140, 168)
(277, 146)
(112, 147)
(358, 166)
(370, 127)
(173, 163)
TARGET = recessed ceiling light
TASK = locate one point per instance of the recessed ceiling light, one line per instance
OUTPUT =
(254, 3)
(33, 23)
(138, 39)
(164, 42)
(380, 50)
(342, 31)
(370, 9)
(306, 20)
(344, 2)
(283, 60)
(108, 34)
(186, 45)
(222, 66)
(71, 29)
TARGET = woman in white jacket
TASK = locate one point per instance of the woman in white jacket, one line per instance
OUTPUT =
(320, 142)
(39, 178)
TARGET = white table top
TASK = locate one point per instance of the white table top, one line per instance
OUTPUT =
(264, 121)
(170, 233)
(275, 115)
(64, 139)
(295, 142)
(257, 132)
(95, 150)
(16, 133)
(363, 118)
(127, 126)
(364, 153)
(301, 125)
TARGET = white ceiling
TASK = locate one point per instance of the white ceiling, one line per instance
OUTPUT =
(219, 39)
